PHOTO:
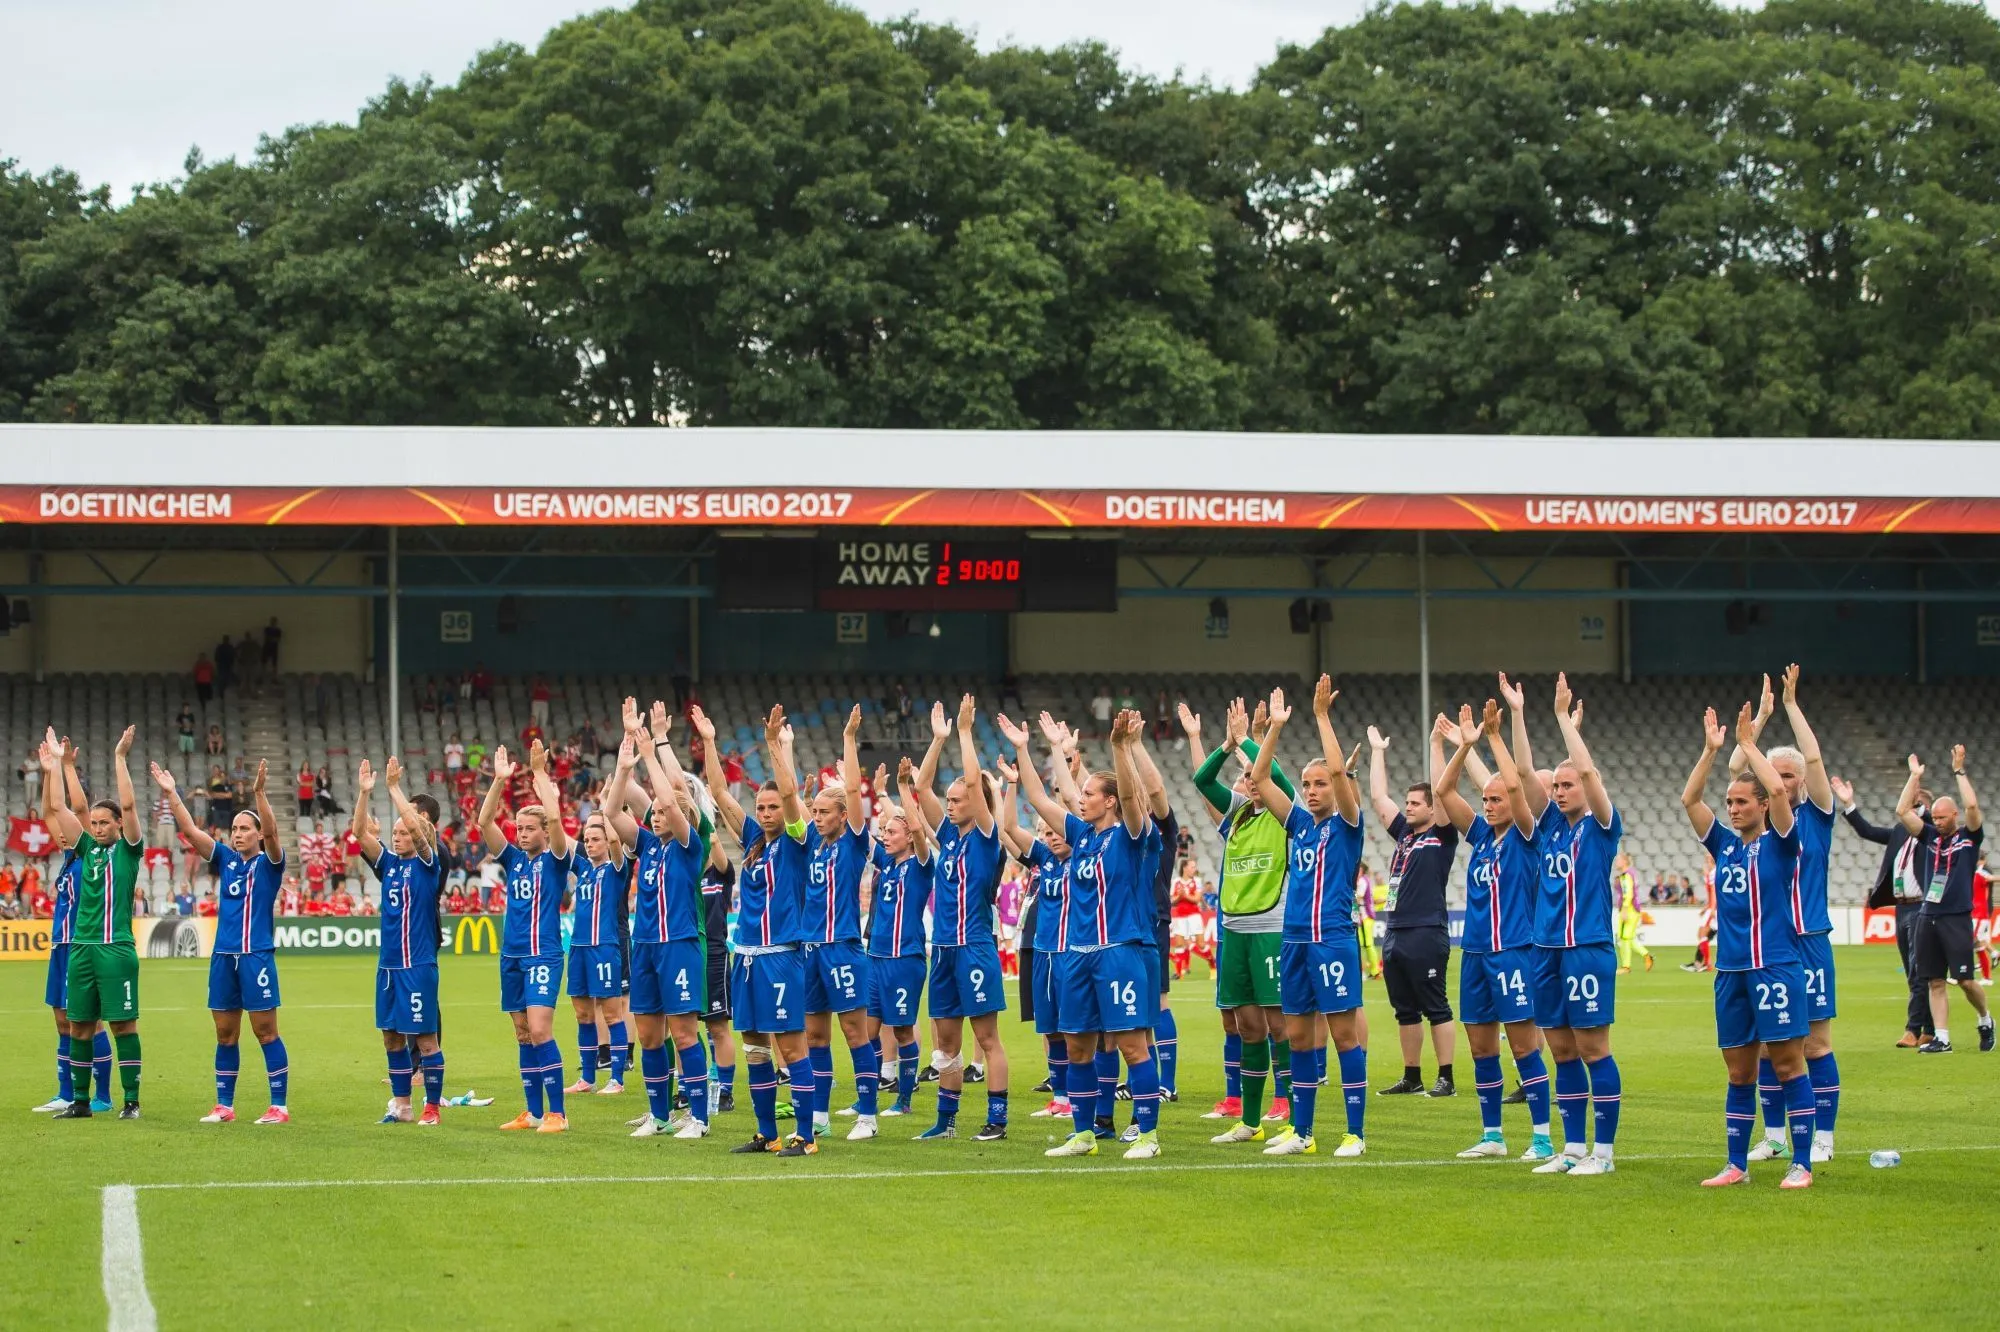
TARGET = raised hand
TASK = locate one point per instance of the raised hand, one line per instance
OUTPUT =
(1958, 759)
(1563, 696)
(1377, 741)
(503, 766)
(628, 715)
(1052, 730)
(940, 724)
(1791, 682)
(538, 758)
(263, 772)
(1323, 695)
(1713, 737)
(1008, 772)
(1444, 728)
(162, 778)
(364, 778)
(1489, 721)
(1842, 791)
(1237, 726)
(628, 754)
(1277, 711)
(1260, 720)
(853, 728)
(1746, 727)
(881, 781)
(1016, 736)
(702, 725)
(966, 708)
(906, 771)
(392, 771)
(125, 740)
(663, 721)
(1515, 696)
(1763, 705)
(1916, 766)
(1190, 721)
(774, 724)
(1468, 726)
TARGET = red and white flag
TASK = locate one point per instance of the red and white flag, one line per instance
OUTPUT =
(29, 837)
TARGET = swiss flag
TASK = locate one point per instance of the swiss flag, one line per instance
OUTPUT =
(29, 836)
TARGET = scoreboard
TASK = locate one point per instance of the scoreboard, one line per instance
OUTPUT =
(917, 571)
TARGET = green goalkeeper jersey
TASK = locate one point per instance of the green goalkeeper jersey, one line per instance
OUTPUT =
(106, 877)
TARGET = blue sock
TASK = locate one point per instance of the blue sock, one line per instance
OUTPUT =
(531, 1078)
(906, 1072)
(725, 1078)
(1800, 1113)
(996, 1107)
(549, 1056)
(947, 1107)
(1143, 1079)
(1058, 1052)
(100, 1063)
(1232, 1066)
(65, 1084)
(1825, 1075)
(1106, 1064)
(1606, 1094)
(1491, 1084)
(694, 1078)
(764, 1097)
(1167, 1049)
(1573, 1102)
(1739, 1118)
(1773, 1099)
(228, 1058)
(1082, 1096)
(1319, 1063)
(400, 1066)
(1354, 1086)
(1281, 1066)
(433, 1064)
(1305, 1091)
(804, 1097)
(867, 1077)
(1535, 1086)
(621, 1051)
(821, 1059)
(586, 1051)
(659, 1079)
(278, 1070)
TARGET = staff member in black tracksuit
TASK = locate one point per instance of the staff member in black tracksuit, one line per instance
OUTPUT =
(1898, 884)
(1416, 950)
(1948, 856)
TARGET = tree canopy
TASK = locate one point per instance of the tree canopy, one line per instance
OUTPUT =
(1613, 217)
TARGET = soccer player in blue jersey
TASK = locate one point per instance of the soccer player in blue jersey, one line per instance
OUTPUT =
(1577, 830)
(1047, 856)
(243, 972)
(767, 979)
(596, 960)
(1107, 983)
(905, 865)
(1810, 793)
(835, 963)
(965, 980)
(1320, 958)
(1496, 968)
(669, 962)
(72, 1081)
(406, 976)
(537, 864)
(1760, 994)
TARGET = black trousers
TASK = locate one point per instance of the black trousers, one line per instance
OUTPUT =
(1919, 1017)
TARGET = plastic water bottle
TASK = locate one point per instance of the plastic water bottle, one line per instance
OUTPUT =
(1885, 1160)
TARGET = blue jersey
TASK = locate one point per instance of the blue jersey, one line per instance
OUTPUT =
(1500, 884)
(410, 887)
(1322, 857)
(62, 927)
(902, 891)
(1052, 889)
(771, 896)
(1578, 897)
(968, 874)
(1111, 884)
(246, 899)
(1753, 881)
(669, 899)
(535, 886)
(594, 905)
(833, 887)
(1808, 898)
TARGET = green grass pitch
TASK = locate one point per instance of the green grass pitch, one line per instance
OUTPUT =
(465, 1227)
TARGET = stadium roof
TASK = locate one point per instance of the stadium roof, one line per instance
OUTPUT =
(767, 478)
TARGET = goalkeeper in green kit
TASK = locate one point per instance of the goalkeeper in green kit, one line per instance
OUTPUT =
(103, 964)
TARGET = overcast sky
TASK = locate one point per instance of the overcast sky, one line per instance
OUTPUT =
(118, 90)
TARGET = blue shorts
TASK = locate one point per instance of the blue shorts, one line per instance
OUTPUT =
(836, 977)
(895, 989)
(530, 982)
(596, 971)
(406, 999)
(1576, 987)
(1108, 989)
(767, 991)
(242, 982)
(1768, 1004)
(966, 980)
(1048, 995)
(1816, 959)
(669, 977)
(1497, 987)
(55, 990)
(1322, 977)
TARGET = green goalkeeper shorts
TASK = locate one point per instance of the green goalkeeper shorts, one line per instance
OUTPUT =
(103, 983)
(1246, 969)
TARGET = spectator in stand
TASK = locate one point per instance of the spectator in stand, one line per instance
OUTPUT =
(225, 666)
(317, 845)
(221, 798)
(215, 745)
(427, 696)
(183, 898)
(247, 657)
(30, 885)
(290, 902)
(9, 886)
(316, 877)
(31, 779)
(732, 769)
(184, 725)
(206, 907)
(322, 699)
(163, 820)
(496, 892)
(305, 789)
(1100, 710)
(323, 800)
(481, 682)
(538, 703)
(40, 905)
(1163, 718)
(204, 679)
(343, 902)
(454, 755)
(272, 636)
(906, 715)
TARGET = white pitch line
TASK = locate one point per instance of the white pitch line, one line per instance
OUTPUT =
(1073, 1172)
(125, 1263)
